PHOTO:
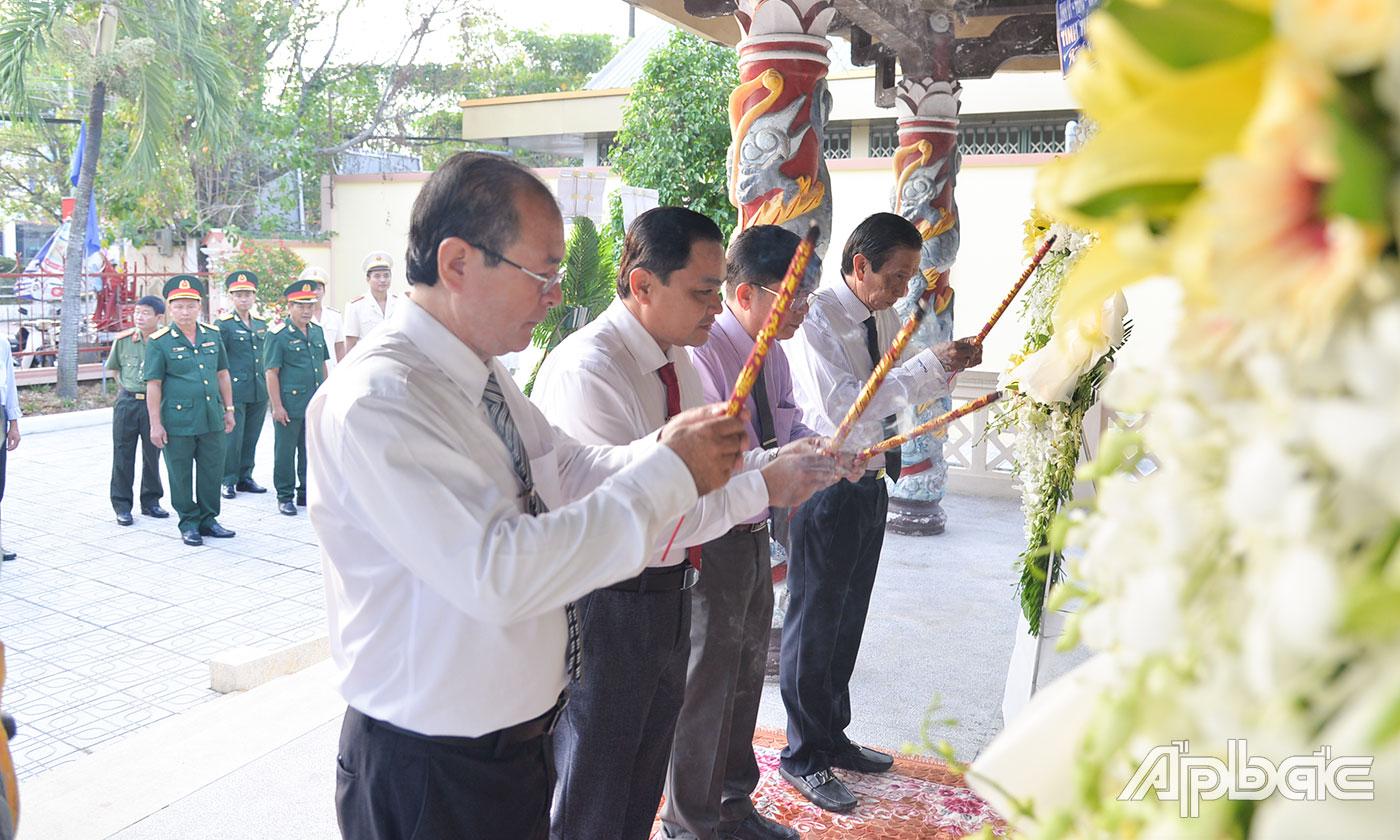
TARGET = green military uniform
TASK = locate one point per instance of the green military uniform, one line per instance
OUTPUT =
(244, 344)
(130, 423)
(192, 412)
(300, 361)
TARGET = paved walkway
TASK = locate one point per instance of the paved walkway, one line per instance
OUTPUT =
(109, 629)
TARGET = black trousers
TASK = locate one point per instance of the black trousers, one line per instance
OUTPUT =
(394, 785)
(614, 738)
(713, 769)
(836, 539)
(132, 423)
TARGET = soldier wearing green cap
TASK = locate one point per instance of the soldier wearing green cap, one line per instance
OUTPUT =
(243, 335)
(295, 362)
(190, 400)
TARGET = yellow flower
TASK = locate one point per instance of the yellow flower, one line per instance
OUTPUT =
(1035, 227)
(1348, 35)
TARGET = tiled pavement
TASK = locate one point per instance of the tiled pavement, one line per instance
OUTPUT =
(108, 629)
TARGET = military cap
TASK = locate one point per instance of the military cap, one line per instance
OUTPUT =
(156, 304)
(184, 287)
(376, 260)
(315, 274)
(302, 291)
(241, 280)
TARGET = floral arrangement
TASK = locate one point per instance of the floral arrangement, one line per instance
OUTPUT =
(1056, 380)
(1248, 589)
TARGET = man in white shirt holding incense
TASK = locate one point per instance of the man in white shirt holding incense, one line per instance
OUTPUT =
(457, 527)
(617, 379)
(837, 534)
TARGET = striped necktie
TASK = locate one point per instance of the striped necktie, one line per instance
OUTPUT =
(499, 414)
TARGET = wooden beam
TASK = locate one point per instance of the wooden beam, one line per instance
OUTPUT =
(723, 29)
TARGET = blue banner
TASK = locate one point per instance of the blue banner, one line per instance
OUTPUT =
(1069, 26)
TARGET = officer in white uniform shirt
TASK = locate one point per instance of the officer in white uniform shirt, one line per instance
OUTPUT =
(364, 313)
(328, 319)
(457, 526)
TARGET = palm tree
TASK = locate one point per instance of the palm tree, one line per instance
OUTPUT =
(590, 262)
(158, 57)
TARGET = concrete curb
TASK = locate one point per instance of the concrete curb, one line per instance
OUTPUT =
(44, 423)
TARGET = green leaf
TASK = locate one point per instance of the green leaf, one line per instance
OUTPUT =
(1188, 33)
(1359, 191)
(1154, 199)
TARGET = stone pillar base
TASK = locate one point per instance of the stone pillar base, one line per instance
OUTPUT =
(916, 518)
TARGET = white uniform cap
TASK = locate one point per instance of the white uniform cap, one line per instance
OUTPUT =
(376, 260)
(315, 272)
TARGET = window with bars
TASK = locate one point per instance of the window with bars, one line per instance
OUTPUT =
(984, 136)
(837, 143)
(606, 142)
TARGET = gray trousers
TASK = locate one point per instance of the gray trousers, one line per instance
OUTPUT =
(613, 739)
(713, 769)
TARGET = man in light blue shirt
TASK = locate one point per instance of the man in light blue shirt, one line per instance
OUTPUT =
(10, 395)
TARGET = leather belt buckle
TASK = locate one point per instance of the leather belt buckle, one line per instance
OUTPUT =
(880, 473)
(692, 577)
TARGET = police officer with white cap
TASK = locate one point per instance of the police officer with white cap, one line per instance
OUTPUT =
(329, 320)
(364, 313)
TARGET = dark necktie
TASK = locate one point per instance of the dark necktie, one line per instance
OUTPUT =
(767, 435)
(499, 413)
(667, 372)
(890, 423)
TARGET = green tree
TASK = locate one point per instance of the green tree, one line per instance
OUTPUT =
(590, 269)
(145, 56)
(675, 127)
(276, 267)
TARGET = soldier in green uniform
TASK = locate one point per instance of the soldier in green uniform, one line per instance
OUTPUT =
(190, 400)
(295, 362)
(243, 335)
(130, 420)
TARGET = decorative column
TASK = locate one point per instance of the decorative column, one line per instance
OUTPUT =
(926, 170)
(777, 115)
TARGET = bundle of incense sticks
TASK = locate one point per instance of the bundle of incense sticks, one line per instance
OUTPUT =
(936, 423)
(1006, 301)
(877, 376)
(764, 340)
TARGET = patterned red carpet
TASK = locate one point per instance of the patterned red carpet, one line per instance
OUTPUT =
(918, 800)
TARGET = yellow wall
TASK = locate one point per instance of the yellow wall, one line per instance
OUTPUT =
(367, 213)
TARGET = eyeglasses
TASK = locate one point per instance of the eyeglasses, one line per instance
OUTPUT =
(547, 283)
(798, 304)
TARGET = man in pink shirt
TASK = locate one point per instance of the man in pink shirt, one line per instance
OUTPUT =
(713, 772)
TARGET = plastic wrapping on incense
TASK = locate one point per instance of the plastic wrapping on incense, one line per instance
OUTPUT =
(936, 423)
(877, 376)
(764, 340)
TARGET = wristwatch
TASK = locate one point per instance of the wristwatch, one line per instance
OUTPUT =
(229, 408)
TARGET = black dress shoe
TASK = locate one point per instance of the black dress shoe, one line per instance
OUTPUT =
(823, 790)
(862, 759)
(248, 485)
(286, 508)
(124, 519)
(215, 530)
(758, 827)
(191, 538)
(301, 498)
(156, 511)
(7, 556)
(228, 491)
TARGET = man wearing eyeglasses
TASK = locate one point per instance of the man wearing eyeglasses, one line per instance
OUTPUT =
(837, 534)
(713, 771)
(366, 312)
(458, 526)
(617, 379)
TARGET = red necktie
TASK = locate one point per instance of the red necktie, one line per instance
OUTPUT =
(667, 372)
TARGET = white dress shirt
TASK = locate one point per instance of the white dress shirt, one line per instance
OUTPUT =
(445, 599)
(831, 361)
(8, 392)
(601, 385)
(362, 315)
(333, 325)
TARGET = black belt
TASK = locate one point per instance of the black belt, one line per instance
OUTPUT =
(665, 579)
(750, 527)
(492, 743)
(122, 392)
